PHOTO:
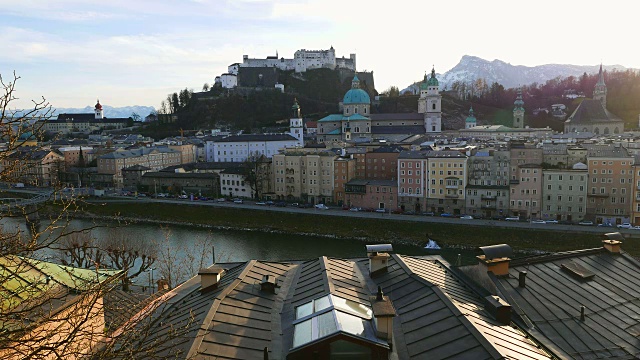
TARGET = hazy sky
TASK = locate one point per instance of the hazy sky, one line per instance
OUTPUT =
(135, 52)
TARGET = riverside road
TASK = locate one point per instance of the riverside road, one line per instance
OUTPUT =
(383, 216)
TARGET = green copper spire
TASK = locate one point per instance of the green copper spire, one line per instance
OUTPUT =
(433, 81)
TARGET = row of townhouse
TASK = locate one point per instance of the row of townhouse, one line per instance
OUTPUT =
(549, 182)
(111, 165)
(597, 183)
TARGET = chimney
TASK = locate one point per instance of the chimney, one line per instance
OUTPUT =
(209, 278)
(378, 258)
(613, 242)
(496, 258)
(522, 279)
(163, 284)
(269, 284)
(498, 308)
(383, 314)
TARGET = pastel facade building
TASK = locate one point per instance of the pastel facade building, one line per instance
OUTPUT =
(525, 184)
(564, 194)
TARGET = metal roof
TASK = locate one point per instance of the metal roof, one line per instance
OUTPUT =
(552, 298)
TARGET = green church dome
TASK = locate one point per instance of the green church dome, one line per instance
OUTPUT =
(471, 118)
(432, 80)
(423, 84)
(356, 95)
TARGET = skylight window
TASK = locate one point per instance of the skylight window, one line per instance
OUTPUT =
(329, 314)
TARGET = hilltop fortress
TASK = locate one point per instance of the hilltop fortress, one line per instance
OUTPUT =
(302, 61)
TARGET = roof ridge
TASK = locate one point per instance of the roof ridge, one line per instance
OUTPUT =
(534, 259)
(208, 319)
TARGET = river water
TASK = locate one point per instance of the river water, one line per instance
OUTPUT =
(236, 245)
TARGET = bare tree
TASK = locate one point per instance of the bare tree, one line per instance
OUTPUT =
(178, 263)
(256, 173)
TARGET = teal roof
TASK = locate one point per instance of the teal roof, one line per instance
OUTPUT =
(519, 103)
(334, 132)
(433, 81)
(471, 118)
(356, 96)
(423, 85)
(340, 117)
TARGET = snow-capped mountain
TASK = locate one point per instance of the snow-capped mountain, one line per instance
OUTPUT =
(109, 111)
(471, 68)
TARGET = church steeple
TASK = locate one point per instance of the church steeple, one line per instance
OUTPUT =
(355, 83)
(295, 123)
(518, 111)
(600, 91)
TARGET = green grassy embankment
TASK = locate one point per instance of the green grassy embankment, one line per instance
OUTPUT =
(373, 230)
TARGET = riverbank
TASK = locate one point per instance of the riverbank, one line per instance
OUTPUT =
(365, 229)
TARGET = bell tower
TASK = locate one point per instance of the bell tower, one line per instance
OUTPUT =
(433, 102)
(98, 111)
(518, 111)
(295, 123)
(600, 91)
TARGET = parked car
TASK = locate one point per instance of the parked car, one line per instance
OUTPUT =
(428, 213)
(410, 212)
(637, 227)
(551, 221)
(221, 200)
(322, 207)
(624, 226)
(446, 215)
(304, 205)
(381, 210)
(281, 204)
(203, 198)
(269, 203)
(538, 222)
(183, 196)
(605, 225)
(512, 218)
(466, 217)
(238, 201)
(586, 223)
(295, 204)
(261, 203)
(355, 209)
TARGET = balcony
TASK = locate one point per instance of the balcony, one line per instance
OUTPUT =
(452, 186)
(514, 182)
(598, 195)
(487, 197)
(488, 207)
(452, 196)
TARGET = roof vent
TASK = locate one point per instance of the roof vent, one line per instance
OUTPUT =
(613, 242)
(378, 258)
(383, 314)
(577, 271)
(269, 284)
(498, 308)
(496, 258)
(210, 278)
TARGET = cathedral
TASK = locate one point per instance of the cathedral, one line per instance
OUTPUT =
(592, 114)
(356, 124)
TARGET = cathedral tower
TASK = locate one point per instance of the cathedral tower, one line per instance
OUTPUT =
(518, 111)
(433, 103)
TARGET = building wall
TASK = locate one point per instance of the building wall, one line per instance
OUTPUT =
(412, 183)
(229, 81)
(234, 185)
(309, 177)
(446, 184)
(376, 196)
(344, 171)
(240, 151)
(564, 195)
(610, 189)
(381, 166)
(525, 198)
(155, 160)
(188, 152)
(488, 184)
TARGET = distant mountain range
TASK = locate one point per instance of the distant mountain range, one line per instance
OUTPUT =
(109, 111)
(471, 68)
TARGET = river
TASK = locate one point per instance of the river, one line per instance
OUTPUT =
(236, 245)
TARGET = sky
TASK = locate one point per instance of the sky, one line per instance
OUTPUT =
(135, 52)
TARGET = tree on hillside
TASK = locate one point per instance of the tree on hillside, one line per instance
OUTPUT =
(392, 91)
(206, 87)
